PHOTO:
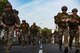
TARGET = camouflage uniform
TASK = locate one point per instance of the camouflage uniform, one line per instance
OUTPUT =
(9, 19)
(25, 33)
(44, 37)
(50, 38)
(34, 34)
(56, 37)
(17, 29)
(2, 4)
(73, 29)
(62, 27)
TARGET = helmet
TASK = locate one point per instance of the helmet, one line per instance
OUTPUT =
(23, 20)
(64, 8)
(8, 5)
(74, 10)
(34, 23)
(16, 11)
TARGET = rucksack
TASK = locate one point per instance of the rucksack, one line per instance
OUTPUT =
(9, 19)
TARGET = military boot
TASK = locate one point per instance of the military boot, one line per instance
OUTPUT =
(77, 51)
(66, 50)
(7, 50)
(60, 47)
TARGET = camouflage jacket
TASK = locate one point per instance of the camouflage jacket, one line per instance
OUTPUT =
(24, 27)
(34, 29)
(58, 19)
(74, 21)
(10, 19)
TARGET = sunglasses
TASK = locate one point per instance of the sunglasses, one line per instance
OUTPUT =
(7, 6)
(64, 9)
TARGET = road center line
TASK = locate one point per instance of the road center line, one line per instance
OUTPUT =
(41, 46)
(41, 51)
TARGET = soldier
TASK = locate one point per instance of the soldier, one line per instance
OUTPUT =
(9, 20)
(56, 37)
(73, 29)
(17, 29)
(2, 4)
(61, 21)
(44, 37)
(34, 34)
(50, 38)
(25, 33)
(16, 11)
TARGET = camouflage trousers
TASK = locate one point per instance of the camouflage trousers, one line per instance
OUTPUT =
(74, 33)
(18, 36)
(63, 32)
(8, 36)
(34, 39)
(25, 38)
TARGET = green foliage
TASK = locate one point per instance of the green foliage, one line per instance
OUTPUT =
(46, 31)
(2, 4)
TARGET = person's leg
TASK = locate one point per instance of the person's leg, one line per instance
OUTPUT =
(60, 38)
(66, 40)
(71, 33)
(10, 38)
(77, 42)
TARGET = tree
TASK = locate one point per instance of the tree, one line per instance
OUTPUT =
(2, 4)
(46, 31)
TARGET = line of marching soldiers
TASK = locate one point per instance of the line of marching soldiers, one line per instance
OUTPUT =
(10, 24)
(9, 21)
(31, 35)
(68, 26)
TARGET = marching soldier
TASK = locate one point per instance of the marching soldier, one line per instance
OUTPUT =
(9, 20)
(61, 21)
(25, 33)
(56, 37)
(44, 37)
(74, 29)
(17, 29)
(34, 34)
(2, 4)
(16, 11)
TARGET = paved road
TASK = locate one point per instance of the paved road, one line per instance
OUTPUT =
(37, 49)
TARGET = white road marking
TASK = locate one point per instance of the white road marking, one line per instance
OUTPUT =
(41, 46)
(41, 51)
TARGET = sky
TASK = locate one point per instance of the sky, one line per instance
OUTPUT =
(42, 11)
